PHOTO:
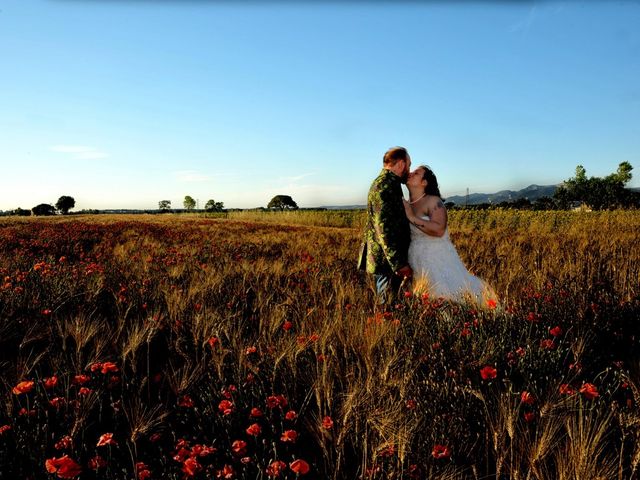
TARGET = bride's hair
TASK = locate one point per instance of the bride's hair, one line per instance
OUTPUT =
(432, 181)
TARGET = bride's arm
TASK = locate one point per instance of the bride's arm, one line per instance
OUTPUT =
(437, 223)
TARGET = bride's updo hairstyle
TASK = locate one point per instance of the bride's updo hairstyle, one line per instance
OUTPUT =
(432, 181)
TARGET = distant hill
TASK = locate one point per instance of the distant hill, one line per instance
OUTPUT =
(344, 207)
(532, 193)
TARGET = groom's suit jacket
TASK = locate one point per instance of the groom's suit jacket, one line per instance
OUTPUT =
(385, 246)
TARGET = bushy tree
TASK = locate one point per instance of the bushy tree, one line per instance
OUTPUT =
(599, 193)
(43, 209)
(189, 203)
(282, 202)
(65, 203)
(164, 205)
(213, 206)
(20, 212)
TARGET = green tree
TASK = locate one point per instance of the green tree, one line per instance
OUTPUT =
(65, 203)
(21, 212)
(544, 203)
(599, 193)
(282, 202)
(164, 205)
(213, 206)
(43, 209)
(189, 203)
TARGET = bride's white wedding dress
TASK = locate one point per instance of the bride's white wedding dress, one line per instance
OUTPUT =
(438, 269)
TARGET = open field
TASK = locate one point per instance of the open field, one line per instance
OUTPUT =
(249, 347)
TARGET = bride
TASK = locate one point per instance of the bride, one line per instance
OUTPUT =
(437, 267)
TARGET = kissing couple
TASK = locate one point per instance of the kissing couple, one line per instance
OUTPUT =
(408, 241)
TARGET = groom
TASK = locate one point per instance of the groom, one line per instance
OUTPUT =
(385, 246)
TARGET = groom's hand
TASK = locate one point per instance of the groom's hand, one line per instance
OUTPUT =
(405, 272)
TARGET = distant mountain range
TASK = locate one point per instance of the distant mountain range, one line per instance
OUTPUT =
(532, 193)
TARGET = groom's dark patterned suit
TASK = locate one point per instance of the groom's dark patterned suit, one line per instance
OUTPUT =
(385, 246)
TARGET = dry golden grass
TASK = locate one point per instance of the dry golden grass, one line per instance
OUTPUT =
(187, 306)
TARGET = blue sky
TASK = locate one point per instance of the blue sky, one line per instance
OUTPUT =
(121, 104)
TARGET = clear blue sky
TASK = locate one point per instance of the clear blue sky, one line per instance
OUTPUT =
(124, 103)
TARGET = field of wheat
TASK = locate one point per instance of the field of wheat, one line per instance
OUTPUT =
(250, 347)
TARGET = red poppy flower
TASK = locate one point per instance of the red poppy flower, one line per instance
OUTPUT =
(440, 451)
(4, 428)
(143, 471)
(547, 344)
(97, 463)
(239, 447)
(228, 392)
(84, 391)
(23, 387)
(276, 468)
(488, 372)
(225, 407)
(590, 391)
(108, 367)
(256, 412)
(227, 473)
(291, 415)
(202, 450)
(274, 401)
(64, 467)
(411, 404)
(254, 429)
(300, 467)
(106, 439)
(81, 379)
(57, 402)
(327, 422)
(533, 317)
(556, 331)
(287, 325)
(527, 398)
(529, 417)
(186, 401)
(250, 350)
(50, 382)
(289, 436)
(491, 303)
(566, 389)
(191, 467)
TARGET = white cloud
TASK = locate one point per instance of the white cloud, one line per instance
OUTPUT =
(79, 152)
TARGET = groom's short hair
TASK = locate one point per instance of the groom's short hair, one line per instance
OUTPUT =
(394, 155)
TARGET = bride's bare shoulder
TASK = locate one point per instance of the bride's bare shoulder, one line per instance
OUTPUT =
(434, 203)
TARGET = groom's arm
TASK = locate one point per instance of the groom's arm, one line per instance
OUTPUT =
(391, 227)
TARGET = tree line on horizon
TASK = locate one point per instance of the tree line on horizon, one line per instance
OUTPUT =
(578, 192)
(592, 193)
